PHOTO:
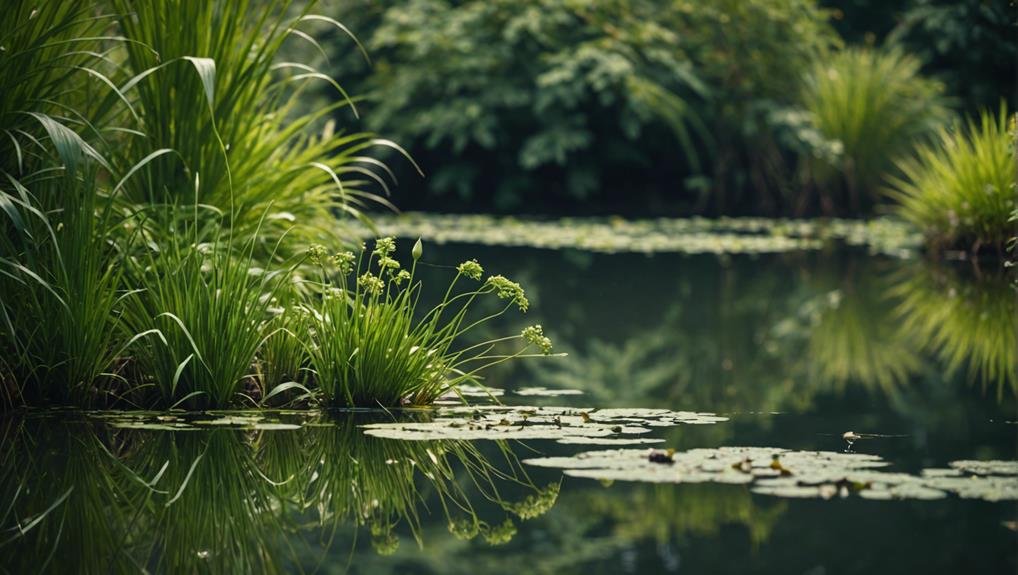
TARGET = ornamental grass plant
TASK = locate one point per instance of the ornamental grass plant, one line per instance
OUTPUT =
(960, 189)
(872, 106)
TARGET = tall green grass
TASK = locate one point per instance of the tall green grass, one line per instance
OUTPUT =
(368, 345)
(60, 276)
(872, 105)
(208, 84)
(121, 278)
(53, 73)
(960, 189)
(200, 317)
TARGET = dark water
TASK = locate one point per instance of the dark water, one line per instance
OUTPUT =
(794, 348)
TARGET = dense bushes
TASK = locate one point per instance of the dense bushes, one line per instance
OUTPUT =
(653, 108)
(520, 106)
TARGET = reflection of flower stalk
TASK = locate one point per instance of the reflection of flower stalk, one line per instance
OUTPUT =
(377, 482)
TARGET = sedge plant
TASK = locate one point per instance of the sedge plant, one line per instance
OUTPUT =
(367, 345)
(872, 105)
(217, 92)
(960, 190)
(200, 315)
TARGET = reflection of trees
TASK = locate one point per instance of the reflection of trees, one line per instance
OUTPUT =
(223, 500)
(736, 340)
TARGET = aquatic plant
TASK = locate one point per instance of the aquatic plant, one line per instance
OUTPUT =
(367, 345)
(201, 317)
(960, 190)
(659, 235)
(796, 474)
(873, 105)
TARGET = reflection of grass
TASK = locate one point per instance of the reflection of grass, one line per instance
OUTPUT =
(226, 501)
(852, 341)
(378, 482)
(967, 323)
(59, 501)
(218, 514)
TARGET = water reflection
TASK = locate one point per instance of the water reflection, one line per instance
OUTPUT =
(82, 496)
(738, 340)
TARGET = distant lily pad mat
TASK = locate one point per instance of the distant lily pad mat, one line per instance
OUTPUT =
(563, 424)
(683, 235)
(786, 473)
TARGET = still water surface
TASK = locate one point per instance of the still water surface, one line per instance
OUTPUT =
(793, 349)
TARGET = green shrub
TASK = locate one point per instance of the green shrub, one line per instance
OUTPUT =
(960, 189)
(872, 105)
(548, 105)
(367, 345)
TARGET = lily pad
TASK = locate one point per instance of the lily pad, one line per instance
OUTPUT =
(683, 235)
(546, 392)
(171, 421)
(785, 473)
(567, 425)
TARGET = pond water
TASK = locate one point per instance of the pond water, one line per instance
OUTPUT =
(785, 352)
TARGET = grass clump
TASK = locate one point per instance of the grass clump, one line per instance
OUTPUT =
(219, 95)
(960, 189)
(59, 312)
(200, 318)
(368, 344)
(871, 105)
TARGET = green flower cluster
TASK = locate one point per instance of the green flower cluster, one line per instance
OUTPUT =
(464, 529)
(500, 534)
(371, 283)
(510, 290)
(344, 261)
(471, 269)
(534, 335)
(317, 254)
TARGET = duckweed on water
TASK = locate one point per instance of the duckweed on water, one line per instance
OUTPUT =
(683, 235)
(787, 473)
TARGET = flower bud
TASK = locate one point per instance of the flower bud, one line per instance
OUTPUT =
(418, 250)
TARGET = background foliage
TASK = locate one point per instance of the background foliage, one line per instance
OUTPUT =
(644, 107)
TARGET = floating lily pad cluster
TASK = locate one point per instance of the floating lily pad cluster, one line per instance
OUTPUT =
(683, 235)
(786, 473)
(565, 425)
(281, 420)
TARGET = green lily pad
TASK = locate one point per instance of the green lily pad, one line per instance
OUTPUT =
(546, 392)
(567, 425)
(799, 474)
